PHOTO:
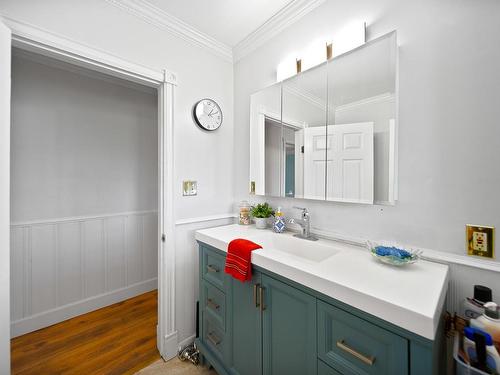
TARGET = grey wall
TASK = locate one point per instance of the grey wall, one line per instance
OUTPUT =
(80, 145)
(448, 118)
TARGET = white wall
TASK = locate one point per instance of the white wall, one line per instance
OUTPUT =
(203, 156)
(448, 117)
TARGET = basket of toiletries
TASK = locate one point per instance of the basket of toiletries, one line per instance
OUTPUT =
(476, 349)
(463, 365)
(393, 255)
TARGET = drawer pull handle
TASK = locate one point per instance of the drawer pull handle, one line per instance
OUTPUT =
(211, 268)
(255, 287)
(212, 304)
(261, 298)
(369, 360)
(213, 338)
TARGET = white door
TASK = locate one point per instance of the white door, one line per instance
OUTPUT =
(350, 162)
(5, 49)
(314, 162)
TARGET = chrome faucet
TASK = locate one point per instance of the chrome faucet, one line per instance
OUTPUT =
(305, 225)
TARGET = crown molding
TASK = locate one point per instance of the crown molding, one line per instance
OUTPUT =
(306, 96)
(159, 18)
(386, 97)
(274, 25)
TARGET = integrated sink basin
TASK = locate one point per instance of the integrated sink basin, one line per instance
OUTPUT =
(286, 243)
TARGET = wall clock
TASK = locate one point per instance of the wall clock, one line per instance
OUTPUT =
(207, 114)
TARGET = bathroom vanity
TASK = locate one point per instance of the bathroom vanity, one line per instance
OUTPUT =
(318, 307)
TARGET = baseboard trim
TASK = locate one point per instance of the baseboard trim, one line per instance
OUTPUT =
(170, 346)
(59, 314)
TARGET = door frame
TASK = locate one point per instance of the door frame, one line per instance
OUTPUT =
(31, 38)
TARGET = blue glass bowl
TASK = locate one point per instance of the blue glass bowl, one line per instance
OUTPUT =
(393, 255)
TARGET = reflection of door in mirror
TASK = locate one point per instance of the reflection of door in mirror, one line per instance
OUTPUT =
(350, 163)
(290, 170)
(314, 162)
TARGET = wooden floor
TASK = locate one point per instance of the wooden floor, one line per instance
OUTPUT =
(118, 339)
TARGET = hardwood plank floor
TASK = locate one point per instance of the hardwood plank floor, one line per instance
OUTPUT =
(118, 339)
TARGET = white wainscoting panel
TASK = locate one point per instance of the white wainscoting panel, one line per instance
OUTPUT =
(462, 281)
(65, 267)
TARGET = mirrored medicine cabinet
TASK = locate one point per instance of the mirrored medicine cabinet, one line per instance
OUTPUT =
(330, 133)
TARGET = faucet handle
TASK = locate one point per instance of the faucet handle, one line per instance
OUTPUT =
(304, 214)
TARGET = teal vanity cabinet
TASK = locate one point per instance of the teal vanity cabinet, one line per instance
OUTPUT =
(274, 326)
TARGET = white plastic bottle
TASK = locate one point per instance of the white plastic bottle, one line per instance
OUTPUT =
(492, 357)
(489, 322)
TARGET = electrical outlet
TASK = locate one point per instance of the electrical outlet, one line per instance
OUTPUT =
(189, 188)
(480, 240)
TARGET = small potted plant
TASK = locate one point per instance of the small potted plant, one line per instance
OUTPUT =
(261, 213)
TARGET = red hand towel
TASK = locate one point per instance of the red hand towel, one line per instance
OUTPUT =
(238, 259)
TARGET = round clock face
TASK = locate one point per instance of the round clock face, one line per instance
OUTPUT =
(207, 114)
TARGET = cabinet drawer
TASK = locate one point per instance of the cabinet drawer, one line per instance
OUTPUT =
(326, 370)
(214, 303)
(351, 345)
(213, 336)
(213, 267)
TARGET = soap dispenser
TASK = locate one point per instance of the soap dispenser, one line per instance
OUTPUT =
(279, 224)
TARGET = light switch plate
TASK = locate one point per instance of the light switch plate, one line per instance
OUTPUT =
(189, 188)
(480, 240)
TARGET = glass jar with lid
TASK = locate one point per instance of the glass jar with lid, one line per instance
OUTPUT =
(244, 217)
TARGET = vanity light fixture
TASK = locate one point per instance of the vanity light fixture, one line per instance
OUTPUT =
(351, 36)
(287, 68)
(348, 38)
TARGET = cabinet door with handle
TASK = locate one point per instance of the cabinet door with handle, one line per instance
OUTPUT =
(354, 346)
(288, 329)
(244, 321)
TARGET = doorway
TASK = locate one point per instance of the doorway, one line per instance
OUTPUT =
(84, 192)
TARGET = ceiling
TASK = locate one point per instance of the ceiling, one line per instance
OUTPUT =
(228, 21)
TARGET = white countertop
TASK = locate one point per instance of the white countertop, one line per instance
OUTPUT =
(410, 297)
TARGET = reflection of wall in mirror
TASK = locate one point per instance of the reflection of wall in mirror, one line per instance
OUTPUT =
(272, 157)
(289, 160)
